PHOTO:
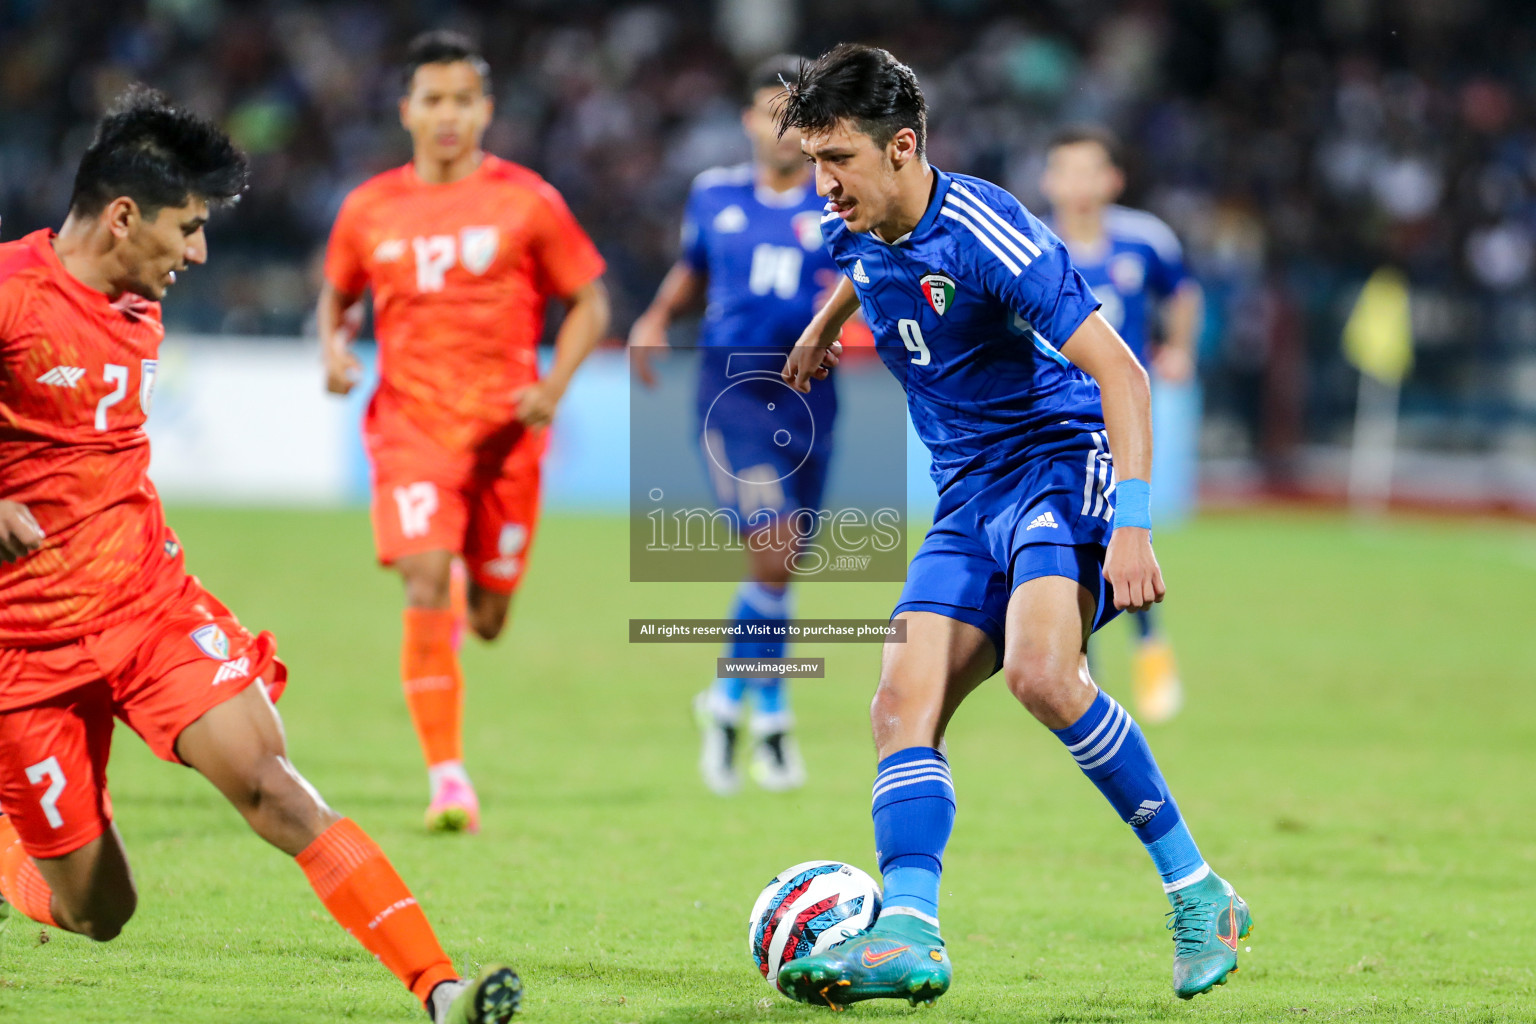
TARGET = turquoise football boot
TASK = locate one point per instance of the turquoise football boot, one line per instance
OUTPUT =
(899, 957)
(1208, 920)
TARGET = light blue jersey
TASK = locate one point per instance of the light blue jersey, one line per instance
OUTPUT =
(1137, 263)
(968, 311)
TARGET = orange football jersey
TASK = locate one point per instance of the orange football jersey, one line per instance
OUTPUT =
(77, 372)
(461, 274)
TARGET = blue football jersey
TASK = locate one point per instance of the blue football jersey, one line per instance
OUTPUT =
(968, 311)
(761, 251)
(1138, 262)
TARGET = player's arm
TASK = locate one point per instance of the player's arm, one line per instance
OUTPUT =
(1129, 565)
(680, 291)
(817, 351)
(586, 322)
(19, 533)
(339, 316)
(1183, 311)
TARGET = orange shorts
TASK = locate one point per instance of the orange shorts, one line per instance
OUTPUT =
(158, 672)
(428, 498)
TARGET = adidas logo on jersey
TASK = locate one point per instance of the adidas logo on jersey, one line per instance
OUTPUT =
(1043, 519)
(237, 669)
(1145, 813)
(731, 220)
(63, 376)
(858, 272)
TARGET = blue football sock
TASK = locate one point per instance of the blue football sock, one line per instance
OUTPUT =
(1111, 750)
(763, 605)
(914, 811)
(1146, 625)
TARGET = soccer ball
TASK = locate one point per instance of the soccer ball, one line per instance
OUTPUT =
(807, 909)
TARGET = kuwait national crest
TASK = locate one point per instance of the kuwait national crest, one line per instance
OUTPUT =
(939, 291)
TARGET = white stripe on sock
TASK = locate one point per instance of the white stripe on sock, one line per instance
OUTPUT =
(1105, 733)
(911, 768)
(1075, 747)
(1125, 731)
(910, 912)
(1190, 879)
(911, 782)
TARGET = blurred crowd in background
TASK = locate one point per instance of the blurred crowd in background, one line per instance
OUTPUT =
(1295, 145)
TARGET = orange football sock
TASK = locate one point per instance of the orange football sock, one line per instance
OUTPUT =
(434, 686)
(360, 888)
(22, 885)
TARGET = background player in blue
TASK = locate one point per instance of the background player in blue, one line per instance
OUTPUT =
(1135, 266)
(752, 248)
(1029, 403)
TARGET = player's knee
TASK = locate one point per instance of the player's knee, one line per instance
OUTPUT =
(102, 919)
(488, 613)
(894, 702)
(488, 620)
(1038, 678)
(426, 589)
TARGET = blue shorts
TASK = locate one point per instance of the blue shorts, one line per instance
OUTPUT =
(765, 446)
(1048, 514)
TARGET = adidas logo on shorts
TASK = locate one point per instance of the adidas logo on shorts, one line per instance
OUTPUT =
(63, 376)
(1043, 519)
(237, 669)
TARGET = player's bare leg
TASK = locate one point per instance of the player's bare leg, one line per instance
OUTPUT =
(923, 681)
(902, 956)
(1049, 620)
(488, 611)
(92, 888)
(1044, 665)
(434, 686)
(239, 746)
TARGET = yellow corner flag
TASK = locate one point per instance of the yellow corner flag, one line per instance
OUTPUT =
(1378, 337)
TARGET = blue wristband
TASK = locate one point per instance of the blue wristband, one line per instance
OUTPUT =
(1133, 504)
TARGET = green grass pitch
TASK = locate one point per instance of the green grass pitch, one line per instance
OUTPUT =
(1356, 755)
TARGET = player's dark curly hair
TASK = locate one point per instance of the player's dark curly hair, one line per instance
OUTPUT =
(864, 84)
(158, 156)
(440, 46)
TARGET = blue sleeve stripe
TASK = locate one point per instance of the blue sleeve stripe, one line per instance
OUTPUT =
(1001, 221)
(983, 239)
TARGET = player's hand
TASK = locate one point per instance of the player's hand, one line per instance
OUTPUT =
(19, 533)
(536, 404)
(810, 360)
(342, 371)
(1132, 570)
(1173, 365)
(648, 332)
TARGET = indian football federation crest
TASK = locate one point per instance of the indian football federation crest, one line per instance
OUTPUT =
(477, 249)
(939, 291)
(147, 370)
(212, 641)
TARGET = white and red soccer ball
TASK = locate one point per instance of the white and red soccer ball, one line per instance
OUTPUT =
(808, 909)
